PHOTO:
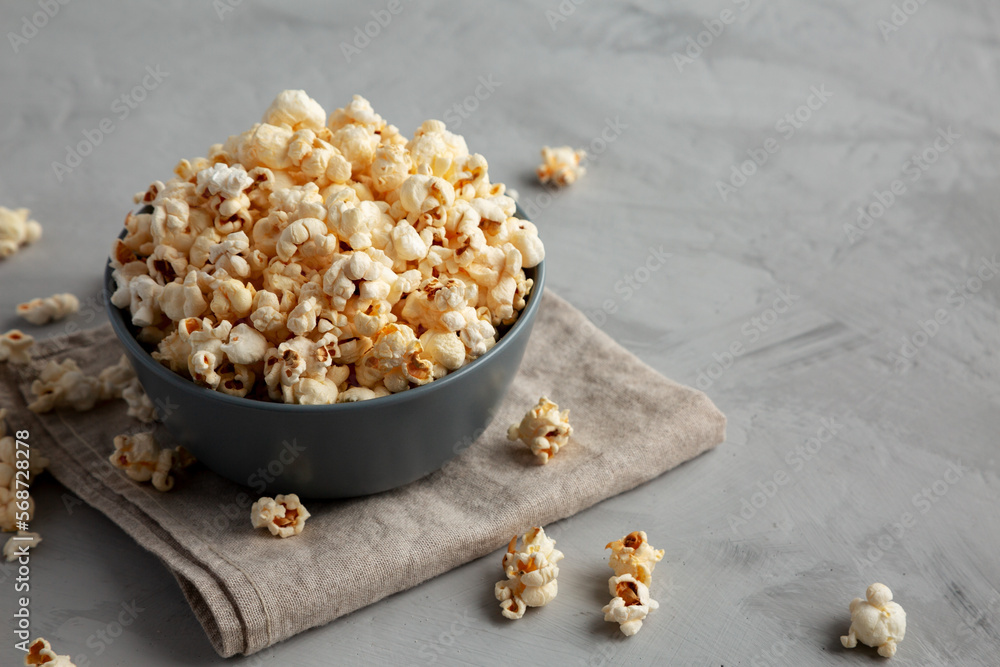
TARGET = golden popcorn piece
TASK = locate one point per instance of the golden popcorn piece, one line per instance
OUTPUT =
(15, 346)
(283, 515)
(16, 230)
(561, 165)
(630, 605)
(633, 555)
(40, 653)
(143, 460)
(48, 309)
(544, 429)
(531, 574)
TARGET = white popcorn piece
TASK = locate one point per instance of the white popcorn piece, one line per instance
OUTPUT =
(142, 459)
(877, 622)
(245, 346)
(531, 573)
(9, 510)
(283, 515)
(633, 555)
(37, 462)
(114, 379)
(630, 605)
(15, 548)
(543, 429)
(16, 230)
(49, 309)
(62, 385)
(139, 405)
(15, 346)
(295, 110)
(40, 653)
(561, 165)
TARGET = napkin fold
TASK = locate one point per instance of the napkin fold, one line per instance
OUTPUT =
(250, 590)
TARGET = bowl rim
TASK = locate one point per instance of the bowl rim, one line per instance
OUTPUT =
(117, 317)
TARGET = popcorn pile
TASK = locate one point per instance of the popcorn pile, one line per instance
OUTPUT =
(543, 429)
(877, 622)
(531, 574)
(283, 515)
(633, 560)
(317, 260)
(142, 459)
(16, 230)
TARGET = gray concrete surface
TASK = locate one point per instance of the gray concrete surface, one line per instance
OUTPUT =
(857, 362)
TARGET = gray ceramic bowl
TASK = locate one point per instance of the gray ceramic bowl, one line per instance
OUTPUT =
(333, 451)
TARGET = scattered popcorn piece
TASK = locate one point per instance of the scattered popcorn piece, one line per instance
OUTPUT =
(40, 653)
(561, 165)
(16, 230)
(63, 385)
(37, 462)
(630, 605)
(877, 622)
(531, 574)
(283, 515)
(633, 555)
(544, 429)
(15, 347)
(142, 459)
(19, 547)
(49, 309)
(139, 405)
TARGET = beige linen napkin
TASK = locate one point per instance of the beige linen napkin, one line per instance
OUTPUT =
(251, 590)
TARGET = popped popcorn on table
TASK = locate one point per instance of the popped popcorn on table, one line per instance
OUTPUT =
(877, 622)
(12, 549)
(313, 257)
(40, 653)
(49, 309)
(16, 230)
(143, 460)
(15, 346)
(531, 573)
(544, 429)
(630, 605)
(561, 165)
(633, 555)
(283, 515)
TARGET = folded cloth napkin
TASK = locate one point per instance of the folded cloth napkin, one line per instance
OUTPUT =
(251, 590)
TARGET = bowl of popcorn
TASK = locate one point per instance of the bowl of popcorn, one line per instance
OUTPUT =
(323, 306)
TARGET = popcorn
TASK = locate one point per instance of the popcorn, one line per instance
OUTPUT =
(16, 230)
(40, 653)
(37, 462)
(561, 165)
(142, 459)
(18, 547)
(543, 429)
(9, 510)
(62, 385)
(15, 346)
(282, 515)
(297, 257)
(531, 574)
(43, 311)
(630, 605)
(139, 405)
(295, 110)
(877, 622)
(634, 556)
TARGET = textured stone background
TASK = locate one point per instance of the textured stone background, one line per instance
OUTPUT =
(877, 337)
